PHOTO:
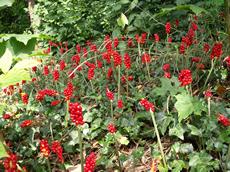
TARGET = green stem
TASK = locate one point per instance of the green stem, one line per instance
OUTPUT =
(209, 106)
(119, 81)
(81, 149)
(48, 164)
(210, 71)
(158, 138)
(147, 66)
(117, 153)
(67, 113)
(111, 109)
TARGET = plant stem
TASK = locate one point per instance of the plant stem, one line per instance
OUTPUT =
(119, 81)
(209, 106)
(48, 164)
(147, 66)
(81, 149)
(158, 138)
(67, 113)
(111, 109)
(210, 71)
(117, 153)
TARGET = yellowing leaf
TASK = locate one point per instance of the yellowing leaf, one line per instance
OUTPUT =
(27, 63)
(6, 61)
(122, 20)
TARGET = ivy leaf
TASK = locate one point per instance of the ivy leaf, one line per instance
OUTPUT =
(6, 61)
(194, 131)
(6, 3)
(122, 20)
(178, 165)
(177, 131)
(2, 108)
(184, 106)
(122, 139)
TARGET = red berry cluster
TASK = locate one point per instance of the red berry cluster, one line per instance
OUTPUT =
(216, 50)
(168, 27)
(24, 98)
(224, 120)
(44, 148)
(185, 77)
(196, 59)
(10, 163)
(55, 102)
(207, 94)
(109, 73)
(127, 61)
(68, 91)
(57, 148)
(26, 123)
(157, 38)
(120, 104)
(227, 60)
(6, 116)
(55, 75)
(90, 162)
(62, 65)
(45, 92)
(147, 105)
(115, 42)
(111, 128)
(117, 58)
(206, 47)
(145, 58)
(46, 70)
(75, 111)
(109, 94)
(34, 68)
(166, 67)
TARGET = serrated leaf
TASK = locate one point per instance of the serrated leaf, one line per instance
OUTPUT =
(184, 106)
(177, 131)
(14, 76)
(26, 63)
(6, 61)
(122, 20)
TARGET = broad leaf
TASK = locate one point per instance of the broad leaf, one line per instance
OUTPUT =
(13, 76)
(177, 131)
(3, 152)
(6, 3)
(2, 108)
(6, 61)
(122, 20)
(194, 131)
(27, 63)
(184, 106)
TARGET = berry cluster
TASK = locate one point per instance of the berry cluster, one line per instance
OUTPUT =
(216, 50)
(24, 98)
(147, 105)
(223, 120)
(68, 91)
(111, 128)
(57, 148)
(10, 163)
(90, 163)
(44, 148)
(56, 75)
(45, 92)
(185, 77)
(109, 94)
(75, 111)
(26, 123)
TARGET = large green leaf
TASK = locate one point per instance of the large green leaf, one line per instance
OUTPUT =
(26, 63)
(184, 106)
(6, 3)
(6, 61)
(14, 76)
(3, 152)
(24, 38)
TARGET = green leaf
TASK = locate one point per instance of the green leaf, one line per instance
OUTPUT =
(2, 108)
(13, 76)
(194, 131)
(122, 139)
(6, 3)
(177, 131)
(178, 165)
(124, 1)
(197, 10)
(6, 61)
(26, 63)
(122, 20)
(3, 152)
(23, 38)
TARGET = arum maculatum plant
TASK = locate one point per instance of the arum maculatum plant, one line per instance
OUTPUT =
(94, 90)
